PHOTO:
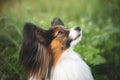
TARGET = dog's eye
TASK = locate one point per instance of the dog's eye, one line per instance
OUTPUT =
(60, 33)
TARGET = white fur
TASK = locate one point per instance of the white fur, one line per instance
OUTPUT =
(32, 78)
(70, 65)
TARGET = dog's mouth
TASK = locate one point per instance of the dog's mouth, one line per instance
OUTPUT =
(76, 37)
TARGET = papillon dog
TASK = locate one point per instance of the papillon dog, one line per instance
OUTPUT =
(49, 54)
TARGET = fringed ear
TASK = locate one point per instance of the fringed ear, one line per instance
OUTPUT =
(29, 46)
(32, 32)
(57, 21)
(34, 55)
(28, 30)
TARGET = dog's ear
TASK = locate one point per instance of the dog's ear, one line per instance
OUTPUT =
(28, 30)
(57, 21)
(34, 55)
(32, 32)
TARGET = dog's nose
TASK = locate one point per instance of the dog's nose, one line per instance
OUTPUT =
(77, 28)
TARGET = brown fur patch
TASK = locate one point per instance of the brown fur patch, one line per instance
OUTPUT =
(57, 46)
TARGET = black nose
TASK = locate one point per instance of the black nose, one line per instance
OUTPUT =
(77, 28)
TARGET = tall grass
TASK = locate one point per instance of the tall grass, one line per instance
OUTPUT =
(98, 19)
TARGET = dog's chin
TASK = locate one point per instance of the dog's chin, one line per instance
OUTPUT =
(76, 39)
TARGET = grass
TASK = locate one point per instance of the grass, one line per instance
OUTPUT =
(98, 19)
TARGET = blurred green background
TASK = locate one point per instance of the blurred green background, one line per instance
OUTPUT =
(99, 20)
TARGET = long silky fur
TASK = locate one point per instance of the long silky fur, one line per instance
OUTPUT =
(34, 55)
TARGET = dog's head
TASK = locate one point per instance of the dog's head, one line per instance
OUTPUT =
(63, 38)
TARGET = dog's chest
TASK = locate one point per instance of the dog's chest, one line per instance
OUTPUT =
(70, 66)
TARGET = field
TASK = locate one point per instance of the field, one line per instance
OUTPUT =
(99, 20)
